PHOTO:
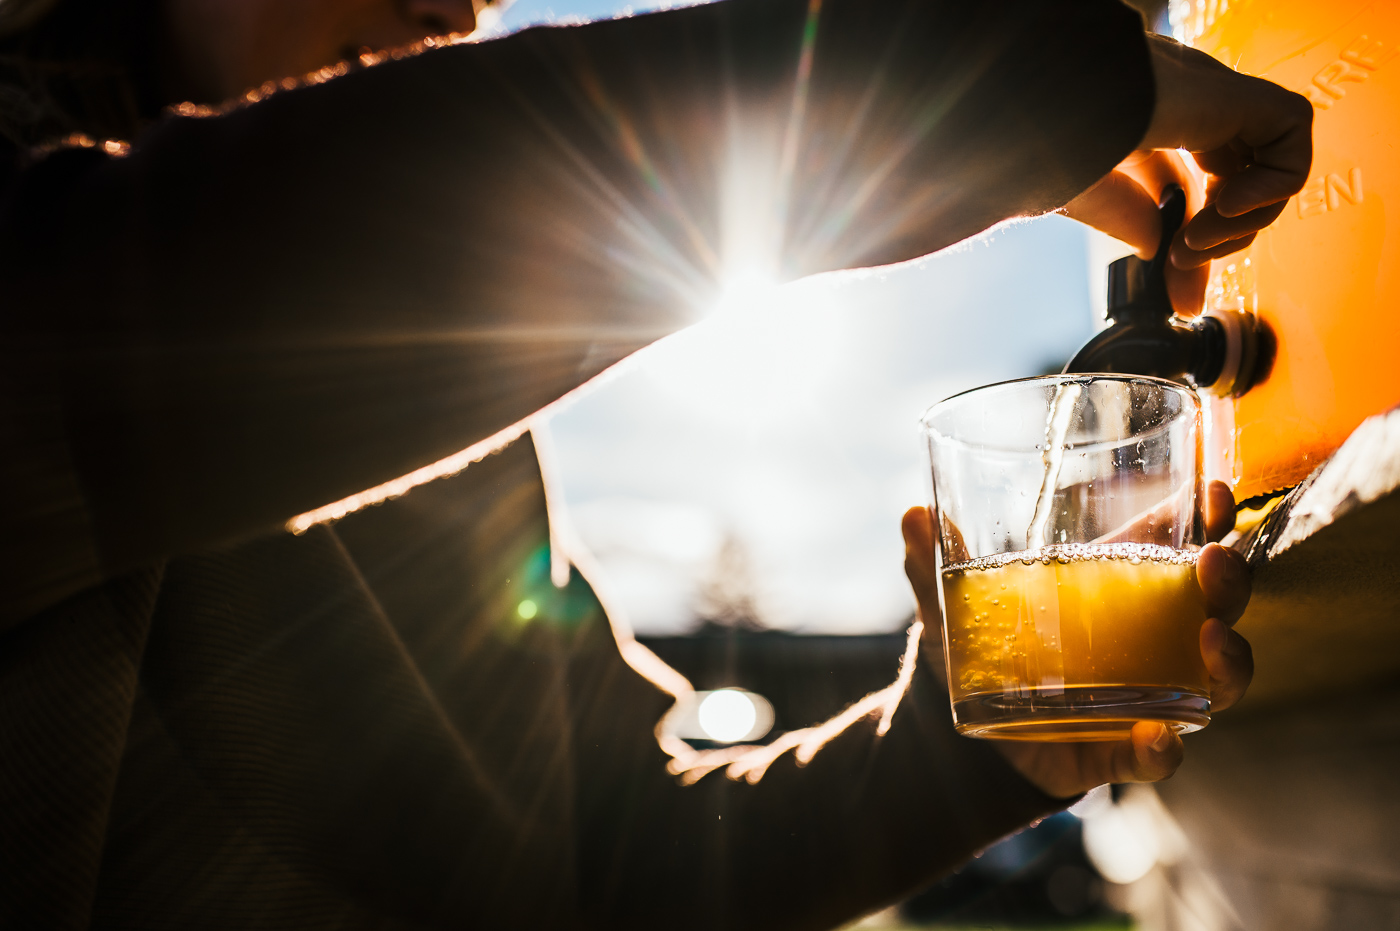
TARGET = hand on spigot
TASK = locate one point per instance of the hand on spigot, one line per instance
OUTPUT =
(1250, 137)
(1153, 752)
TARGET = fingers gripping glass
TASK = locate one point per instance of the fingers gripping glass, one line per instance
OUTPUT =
(1069, 514)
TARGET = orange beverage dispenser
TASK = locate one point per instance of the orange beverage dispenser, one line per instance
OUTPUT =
(1326, 276)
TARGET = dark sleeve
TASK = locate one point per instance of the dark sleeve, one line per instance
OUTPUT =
(867, 822)
(254, 314)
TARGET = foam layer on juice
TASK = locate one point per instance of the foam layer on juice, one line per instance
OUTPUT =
(1062, 553)
(1075, 615)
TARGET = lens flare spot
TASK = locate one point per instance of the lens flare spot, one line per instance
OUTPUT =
(527, 609)
(727, 715)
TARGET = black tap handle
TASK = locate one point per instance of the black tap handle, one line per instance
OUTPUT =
(1138, 288)
(1173, 209)
(1144, 340)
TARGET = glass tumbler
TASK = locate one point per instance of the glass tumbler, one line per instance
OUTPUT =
(1069, 514)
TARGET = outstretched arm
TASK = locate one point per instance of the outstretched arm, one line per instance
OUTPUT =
(253, 314)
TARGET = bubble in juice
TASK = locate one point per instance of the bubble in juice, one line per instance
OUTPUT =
(1073, 616)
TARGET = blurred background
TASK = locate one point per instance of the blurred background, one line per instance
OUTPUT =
(741, 485)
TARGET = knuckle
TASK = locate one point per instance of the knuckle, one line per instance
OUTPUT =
(1301, 107)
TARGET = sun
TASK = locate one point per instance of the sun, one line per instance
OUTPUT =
(764, 352)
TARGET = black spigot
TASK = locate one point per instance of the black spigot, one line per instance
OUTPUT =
(1219, 353)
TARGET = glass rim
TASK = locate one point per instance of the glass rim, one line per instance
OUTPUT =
(1059, 379)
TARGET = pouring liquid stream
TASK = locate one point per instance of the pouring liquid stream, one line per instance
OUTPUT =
(1056, 428)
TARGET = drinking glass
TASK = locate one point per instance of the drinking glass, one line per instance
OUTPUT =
(1069, 512)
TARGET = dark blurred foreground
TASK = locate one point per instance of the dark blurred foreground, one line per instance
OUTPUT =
(1038, 878)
